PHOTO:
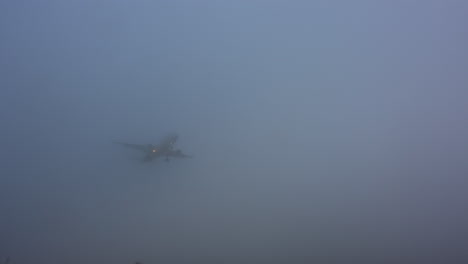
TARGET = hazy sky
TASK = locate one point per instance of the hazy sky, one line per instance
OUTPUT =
(319, 129)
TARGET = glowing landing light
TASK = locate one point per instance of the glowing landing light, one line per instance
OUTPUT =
(154, 150)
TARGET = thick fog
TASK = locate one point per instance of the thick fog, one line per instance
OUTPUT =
(319, 130)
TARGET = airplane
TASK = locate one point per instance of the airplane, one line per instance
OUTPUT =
(164, 149)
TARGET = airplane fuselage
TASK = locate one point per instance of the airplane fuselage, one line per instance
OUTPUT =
(163, 149)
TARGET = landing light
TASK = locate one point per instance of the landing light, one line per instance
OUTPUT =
(154, 150)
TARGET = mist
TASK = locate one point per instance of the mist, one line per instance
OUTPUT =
(320, 130)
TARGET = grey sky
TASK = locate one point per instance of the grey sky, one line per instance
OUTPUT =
(319, 129)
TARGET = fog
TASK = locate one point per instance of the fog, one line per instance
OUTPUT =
(320, 130)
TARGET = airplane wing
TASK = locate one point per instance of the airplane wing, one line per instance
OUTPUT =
(132, 146)
(179, 154)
